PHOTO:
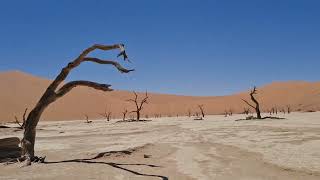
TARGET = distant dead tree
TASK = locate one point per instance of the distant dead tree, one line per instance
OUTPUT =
(106, 114)
(283, 110)
(124, 114)
(257, 106)
(189, 113)
(139, 106)
(230, 112)
(57, 90)
(21, 126)
(246, 111)
(201, 110)
(226, 113)
(288, 109)
(87, 119)
(109, 116)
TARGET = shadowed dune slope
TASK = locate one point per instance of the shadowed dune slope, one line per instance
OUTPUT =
(20, 90)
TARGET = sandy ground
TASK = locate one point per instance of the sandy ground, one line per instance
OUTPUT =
(178, 148)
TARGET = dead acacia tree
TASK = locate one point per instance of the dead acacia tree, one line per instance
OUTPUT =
(246, 111)
(139, 106)
(201, 110)
(288, 109)
(257, 106)
(21, 126)
(106, 114)
(230, 112)
(226, 113)
(109, 116)
(57, 90)
(124, 114)
(87, 119)
(189, 113)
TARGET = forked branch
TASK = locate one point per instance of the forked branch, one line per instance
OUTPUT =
(139, 106)
(21, 126)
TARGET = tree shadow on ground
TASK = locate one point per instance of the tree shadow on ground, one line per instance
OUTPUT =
(112, 164)
(252, 118)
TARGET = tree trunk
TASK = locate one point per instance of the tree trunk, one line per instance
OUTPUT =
(28, 141)
(138, 115)
(258, 113)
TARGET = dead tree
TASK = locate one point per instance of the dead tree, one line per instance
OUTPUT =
(201, 110)
(106, 114)
(246, 111)
(139, 106)
(257, 106)
(230, 112)
(87, 119)
(21, 126)
(57, 90)
(124, 114)
(189, 113)
(109, 116)
(288, 109)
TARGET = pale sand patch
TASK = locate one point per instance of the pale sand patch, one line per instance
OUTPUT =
(179, 148)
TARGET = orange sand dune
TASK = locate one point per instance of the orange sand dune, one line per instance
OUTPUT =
(20, 90)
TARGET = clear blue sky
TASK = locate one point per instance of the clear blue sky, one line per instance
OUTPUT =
(176, 46)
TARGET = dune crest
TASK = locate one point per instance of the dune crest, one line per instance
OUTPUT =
(20, 90)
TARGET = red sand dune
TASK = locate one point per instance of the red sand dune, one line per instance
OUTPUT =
(20, 90)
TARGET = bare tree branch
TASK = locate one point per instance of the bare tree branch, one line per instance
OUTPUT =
(21, 126)
(248, 103)
(66, 70)
(114, 63)
(70, 85)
